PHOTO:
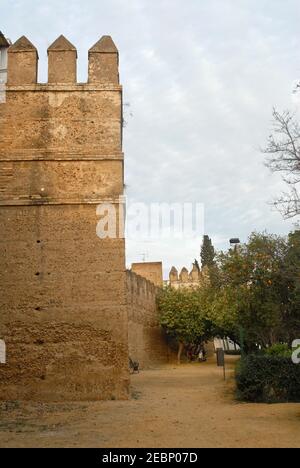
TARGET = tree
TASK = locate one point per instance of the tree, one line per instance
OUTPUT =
(283, 152)
(290, 287)
(196, 263)
(183, 316)
(207, 252)
(259, 291)
(255, 302)
(208, 261)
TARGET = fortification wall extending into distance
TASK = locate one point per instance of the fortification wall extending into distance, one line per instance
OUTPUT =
(147, 343)
(152, 271)
(63, 298)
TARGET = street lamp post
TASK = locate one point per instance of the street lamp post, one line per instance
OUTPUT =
(234, 242)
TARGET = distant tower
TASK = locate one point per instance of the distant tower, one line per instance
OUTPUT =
(4, 45)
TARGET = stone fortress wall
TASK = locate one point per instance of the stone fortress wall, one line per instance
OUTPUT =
(62, 289)
(152, 271)
(185, 279)
(147, 343)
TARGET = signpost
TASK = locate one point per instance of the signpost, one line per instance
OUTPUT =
(221, 360)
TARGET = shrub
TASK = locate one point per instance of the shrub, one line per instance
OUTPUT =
(279, 349)
(268, 379)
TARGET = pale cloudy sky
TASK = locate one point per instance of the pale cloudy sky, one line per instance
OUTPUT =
(201, 77)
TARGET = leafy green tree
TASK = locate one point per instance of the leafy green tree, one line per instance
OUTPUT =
(196, 263)
(207, 253)
(224, 310)
(255, 300)
(289, 287)
(208, 261)
(259, 291)
(183, 316)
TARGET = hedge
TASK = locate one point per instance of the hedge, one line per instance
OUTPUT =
(268, 379)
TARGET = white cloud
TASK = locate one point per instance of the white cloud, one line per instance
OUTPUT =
(201, 79)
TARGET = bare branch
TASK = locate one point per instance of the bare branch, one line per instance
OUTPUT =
(283, 150)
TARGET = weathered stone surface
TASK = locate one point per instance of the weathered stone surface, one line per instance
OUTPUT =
(104, 62)
(62, 289)
(56, 119)
(62, 56)
(152, 271)
(195, 279)
(59, 181)
(22, 62)
(147, 343)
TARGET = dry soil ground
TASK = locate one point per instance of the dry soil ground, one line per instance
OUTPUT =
(186, 406)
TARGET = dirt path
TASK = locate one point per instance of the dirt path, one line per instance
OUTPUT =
(186, 406)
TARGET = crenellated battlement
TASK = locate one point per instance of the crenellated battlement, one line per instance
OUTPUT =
(141, 287)
(22, 66)
(60, 157)
(185, 279)
(63, 139)
(103, 63)
(62, 61)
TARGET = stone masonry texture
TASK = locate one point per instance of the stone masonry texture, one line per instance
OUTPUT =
(62, 289)
(147, 343)
(152, 271)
